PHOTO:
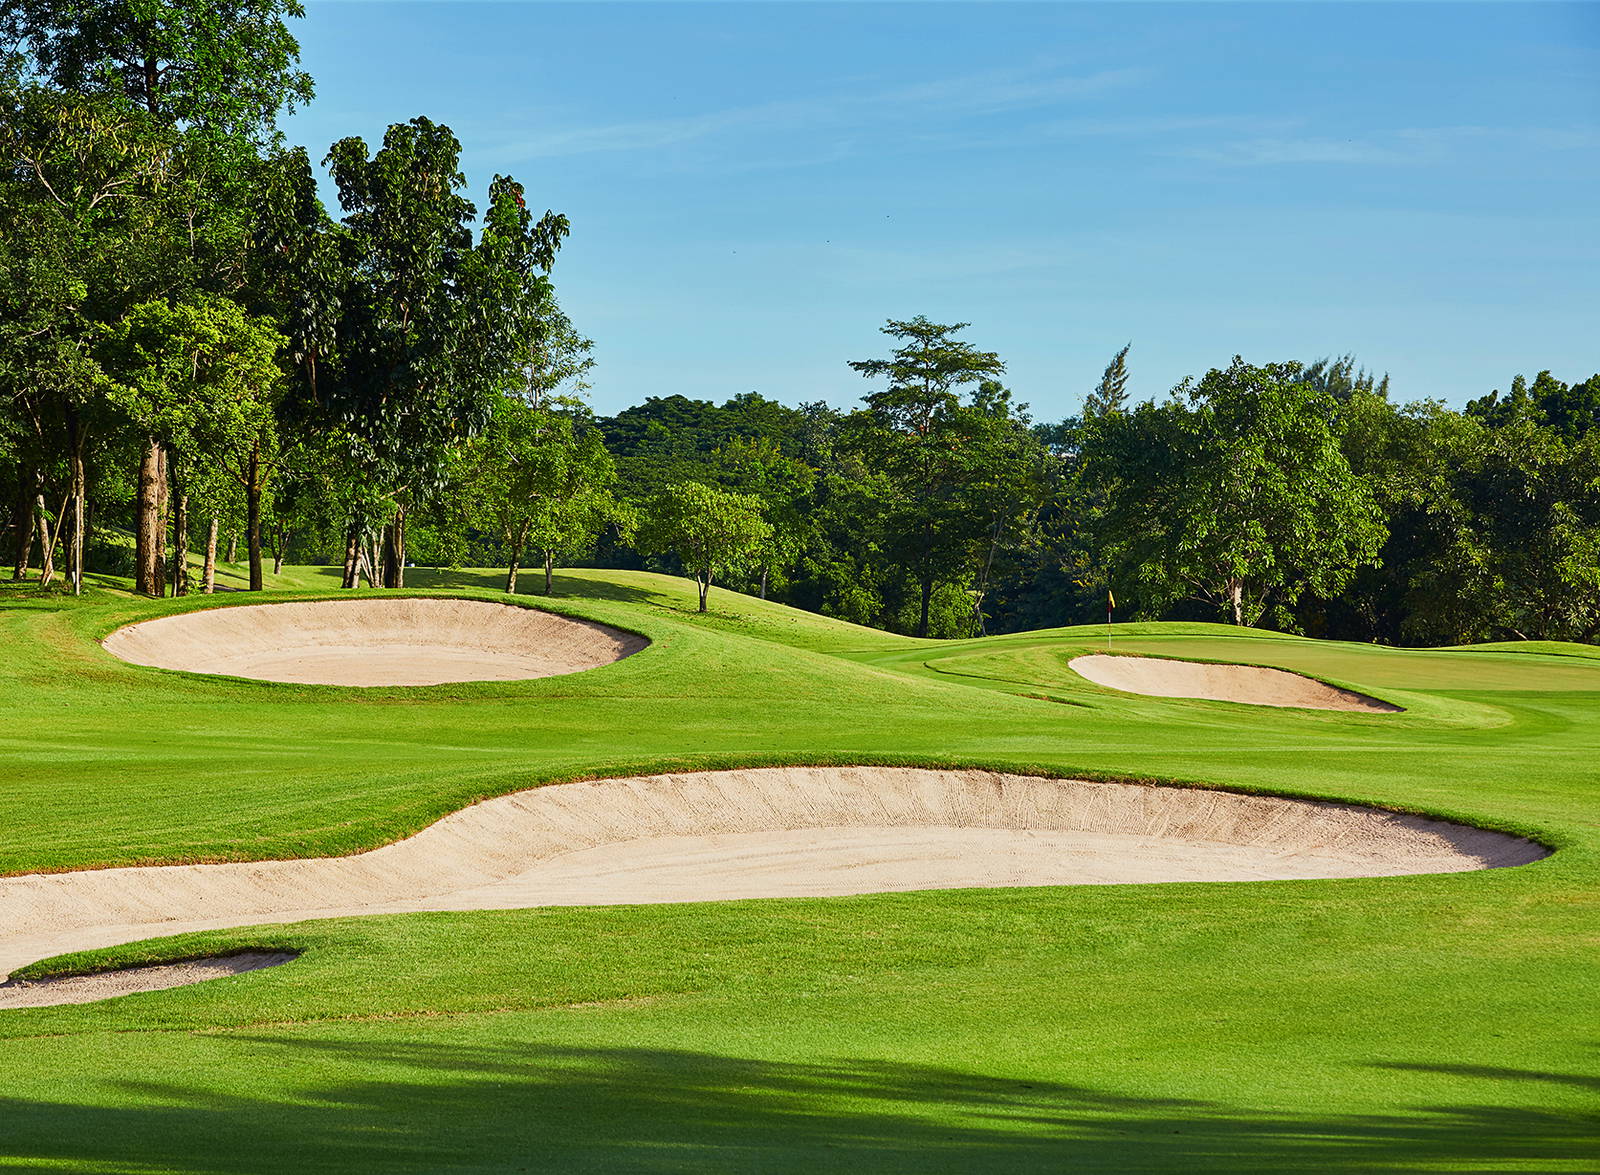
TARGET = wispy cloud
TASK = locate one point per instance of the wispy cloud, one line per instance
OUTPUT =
(972, 95)
(1413, 145)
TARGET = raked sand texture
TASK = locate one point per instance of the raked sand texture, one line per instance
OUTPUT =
(766, 832)
(1254, 685)
(374, 642)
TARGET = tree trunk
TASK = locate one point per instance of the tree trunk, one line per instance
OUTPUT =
(926, 577)
(280, 542)
(23, 516)
(147, 536)
(180, 541)
(549, 573)
(252, 512)
(371, 555)
(703, 582)
(981, 588)
(517, 542)
(233, 547)
(352, 557)
(163, 500)
(1236, 598)
(394, 550)
(76, 489)
(763, 581)
(47, 553)
(208, 581)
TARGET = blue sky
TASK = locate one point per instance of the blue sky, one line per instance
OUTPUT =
(754, 188)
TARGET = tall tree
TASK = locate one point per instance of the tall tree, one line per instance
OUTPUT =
(431, 324)
(79, 199)
(198, 379)
(1234, 492)
(1342, 378)
(1111, 393)
(922, 438)
(214, 74)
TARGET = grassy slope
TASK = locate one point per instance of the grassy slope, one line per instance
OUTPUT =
(1429, 1023)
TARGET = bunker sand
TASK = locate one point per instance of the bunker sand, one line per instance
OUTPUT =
(374, 642)
(1254, 685)
(754, 833)
(86, 989)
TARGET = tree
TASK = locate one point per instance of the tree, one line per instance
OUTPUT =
(1233, 493)
(211, 75)
(710, 530)
(1341, 378)
(1111, 393)
(542, 473)
(1571, 411)
(1535, 540)
(1009, 489)
(78, 201)
(225, 68)
(198, 379)
(918, 433)
(782, 484)
(431, 324)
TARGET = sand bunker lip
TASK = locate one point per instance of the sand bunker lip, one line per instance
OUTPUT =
(383, 641)
(1253, 685)
(758, 832)
(105, 985)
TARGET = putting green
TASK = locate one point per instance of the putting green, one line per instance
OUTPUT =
(1408, 1023)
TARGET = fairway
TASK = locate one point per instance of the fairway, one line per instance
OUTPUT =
(1429, 1022)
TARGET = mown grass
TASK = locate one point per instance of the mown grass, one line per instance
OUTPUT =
(1427, 1023)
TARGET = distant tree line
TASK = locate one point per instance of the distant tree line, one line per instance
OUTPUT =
(199, 361)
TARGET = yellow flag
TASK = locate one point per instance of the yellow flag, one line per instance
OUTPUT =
(1111, 601)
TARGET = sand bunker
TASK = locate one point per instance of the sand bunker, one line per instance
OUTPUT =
(1254, 685)
(769, 832)
(105, 985)
(372, 642)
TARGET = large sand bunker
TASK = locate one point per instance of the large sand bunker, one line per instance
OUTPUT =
(383, 641)
(768, 832)
(1254, 685)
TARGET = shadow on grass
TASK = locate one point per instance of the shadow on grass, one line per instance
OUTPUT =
(531, 583)
(325, 1106)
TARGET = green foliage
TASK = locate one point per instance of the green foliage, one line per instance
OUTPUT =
(222, 68)
(1234, 492)
(1571, 411)
(711, 531)
(431, 324)
(541, 477)
(958, 473)
(201, 376)
(1111, 393)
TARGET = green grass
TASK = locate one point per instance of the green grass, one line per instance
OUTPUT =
(1439, 1023)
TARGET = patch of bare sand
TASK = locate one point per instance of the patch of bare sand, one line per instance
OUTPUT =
(1254, 685)
(105, 985)
(374, 642)
(760, 832)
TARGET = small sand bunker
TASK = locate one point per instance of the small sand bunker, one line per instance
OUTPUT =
(105, 985)
(1255, 685)
(374, 642)
(756, 833)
